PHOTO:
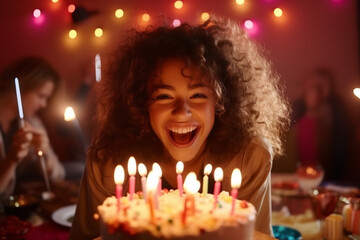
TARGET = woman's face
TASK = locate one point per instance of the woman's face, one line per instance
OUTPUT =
(35, 100)
(182, 109)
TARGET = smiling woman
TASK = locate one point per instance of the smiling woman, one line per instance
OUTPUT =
(197, 94)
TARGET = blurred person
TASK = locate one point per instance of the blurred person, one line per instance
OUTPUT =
(19, 161)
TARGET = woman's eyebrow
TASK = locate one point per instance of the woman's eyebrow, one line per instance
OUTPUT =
(162, 86)
(197, 85)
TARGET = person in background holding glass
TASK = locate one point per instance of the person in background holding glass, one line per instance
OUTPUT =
(19, 146)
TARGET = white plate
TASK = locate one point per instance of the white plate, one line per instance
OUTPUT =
(62, 215)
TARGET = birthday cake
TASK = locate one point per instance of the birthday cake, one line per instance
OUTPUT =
(171, 216)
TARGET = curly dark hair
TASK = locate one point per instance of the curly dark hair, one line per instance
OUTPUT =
(249, 102)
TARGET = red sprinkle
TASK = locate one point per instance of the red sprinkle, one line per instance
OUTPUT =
(243, 204)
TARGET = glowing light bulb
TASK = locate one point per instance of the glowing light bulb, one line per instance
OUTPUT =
(240, 2)
(119, 13)
(249, 24)
(72, 34)
(145, 17)
(98, 32)
(37, 13)
(205, 16)
(55, 1)
(71, 8)
(178, 4)
(176, 23)
(278, 12)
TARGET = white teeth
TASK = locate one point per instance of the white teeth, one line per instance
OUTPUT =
(182, 130)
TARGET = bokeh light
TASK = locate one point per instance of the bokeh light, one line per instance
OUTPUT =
(55, 1)
(205, 16)
(71, 8)
(72, 34)
(357, 92)
(249, 24)
(98, 32)
(145, 17)
(37, 13)
(178, 4)
(278, 12)
(240, 2)
(176, 22)
(119, 13)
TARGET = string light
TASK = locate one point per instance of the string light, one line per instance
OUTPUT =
(178, 4)
(205, 16)
(98, 32)
(278, 12)
(119, 13)
(71, 8)
(240, 2)
(145, 17)
(37, 13)
(72, 34)
(55, 1)
(176, 22)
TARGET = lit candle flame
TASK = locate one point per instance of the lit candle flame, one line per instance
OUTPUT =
(69, 114)
(132, 166)
(152, 182)
(157, 169)
(191, 184)
(40, 153)
(208, 169)
(179, 167)
(357, 92)
(218, 174)
(236, 178)
(119, 174)
(142, 170)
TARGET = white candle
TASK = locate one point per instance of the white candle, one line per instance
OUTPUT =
(157, 169)
(151, 188)
(132, 172)
(218, 175)
(143, 172)
(207, 171)
(191, 186)
(119, 176)
(235, 184)
(97, 68)
(179, 170)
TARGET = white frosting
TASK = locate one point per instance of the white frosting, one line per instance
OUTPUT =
(134, 218)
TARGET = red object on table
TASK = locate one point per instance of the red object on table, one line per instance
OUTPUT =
(48, 231)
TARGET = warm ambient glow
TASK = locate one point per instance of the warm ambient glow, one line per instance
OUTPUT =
(132, 166)
(37, 13)
(142, 169)
(191, 184)
(205, 16)
(145, 17)
(69, 114)
(71, 8)
(240, 2)
(98, 32)
(178, 4)
(179, 167)
(218, 174)
(119, 174)
(357, 92)
(72, 34)
(119, 13)
(278, 12)
(236, 178)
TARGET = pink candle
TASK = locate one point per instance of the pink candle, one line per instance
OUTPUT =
(179, 170)
(218, 175)
(151, 186)
(132, 172)
(235, 184)
(119, 176)
(191, 186)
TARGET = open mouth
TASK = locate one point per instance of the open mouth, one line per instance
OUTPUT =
(183, 135)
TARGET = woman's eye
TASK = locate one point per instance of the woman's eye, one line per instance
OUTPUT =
(162, 97)
(199, 95)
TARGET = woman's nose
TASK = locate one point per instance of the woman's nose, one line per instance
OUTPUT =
(182, 108)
